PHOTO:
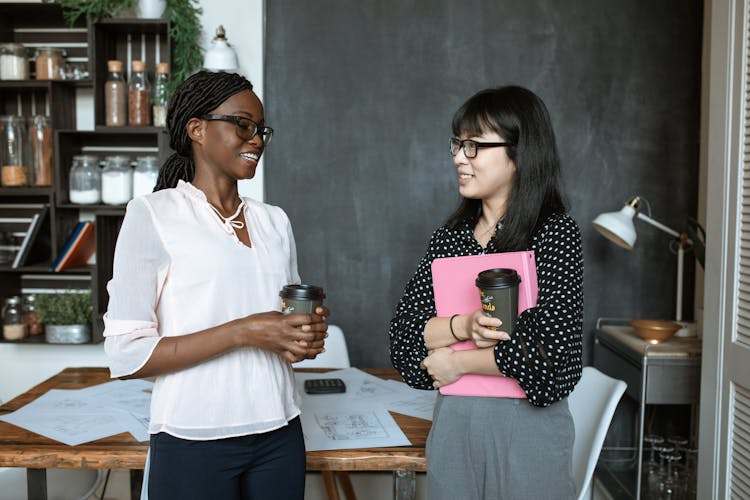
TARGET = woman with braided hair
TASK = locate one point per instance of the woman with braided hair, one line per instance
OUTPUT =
(194, 302)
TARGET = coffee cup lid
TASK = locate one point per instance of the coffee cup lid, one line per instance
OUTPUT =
(497, 278)
(302, 292)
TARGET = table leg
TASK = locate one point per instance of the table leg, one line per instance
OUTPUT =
(136, 481)
(641, 424)
(36, 484)
(404, 485)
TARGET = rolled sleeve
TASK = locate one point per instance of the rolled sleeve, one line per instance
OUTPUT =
(131, 327)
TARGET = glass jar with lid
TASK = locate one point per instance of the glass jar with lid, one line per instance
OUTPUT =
(139, 96)
(13, 325)
(50, 64)
(145, 175)
(30, 315)
(13, 157)
(85, 180)
(14, 65)
(115, 96)
(40, 139)
(117, 181)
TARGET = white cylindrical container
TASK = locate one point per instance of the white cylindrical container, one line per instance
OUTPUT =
(14, 65)
(145, 175)
(85, 181)
(117, 181)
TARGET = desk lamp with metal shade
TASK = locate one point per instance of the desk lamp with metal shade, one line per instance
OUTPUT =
(618, 227)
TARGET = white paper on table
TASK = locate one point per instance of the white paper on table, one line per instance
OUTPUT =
(413, 402)
(336, 423)
(82, 415)
(71, 428)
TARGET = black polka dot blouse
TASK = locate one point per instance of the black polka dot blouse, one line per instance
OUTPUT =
(544, 354)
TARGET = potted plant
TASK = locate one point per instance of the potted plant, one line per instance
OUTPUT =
(184, 21)
(66, 316)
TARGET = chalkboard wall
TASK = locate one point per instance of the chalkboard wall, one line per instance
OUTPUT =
(361, 94)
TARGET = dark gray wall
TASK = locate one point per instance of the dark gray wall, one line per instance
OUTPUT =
(361, 94)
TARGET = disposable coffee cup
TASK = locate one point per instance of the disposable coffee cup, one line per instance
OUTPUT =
(498, 289)
(301, 298)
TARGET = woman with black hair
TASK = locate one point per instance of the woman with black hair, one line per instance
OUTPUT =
(194, 301)
(508, 170)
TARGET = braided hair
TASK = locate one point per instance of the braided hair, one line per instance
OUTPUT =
(198, 95)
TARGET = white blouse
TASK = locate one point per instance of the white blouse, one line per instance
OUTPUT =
(179, 269)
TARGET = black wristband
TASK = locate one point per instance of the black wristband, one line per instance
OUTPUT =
(450, 323)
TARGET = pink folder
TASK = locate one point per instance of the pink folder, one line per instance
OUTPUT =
(456, 293)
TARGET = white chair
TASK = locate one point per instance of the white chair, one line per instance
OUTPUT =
(336, 354)
(592, 404)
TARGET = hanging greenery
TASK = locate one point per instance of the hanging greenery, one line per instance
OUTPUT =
(185, 28)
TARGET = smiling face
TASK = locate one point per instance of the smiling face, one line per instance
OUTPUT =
(490, 175)
(218, 148)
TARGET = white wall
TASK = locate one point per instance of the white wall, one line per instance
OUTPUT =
(23, 366)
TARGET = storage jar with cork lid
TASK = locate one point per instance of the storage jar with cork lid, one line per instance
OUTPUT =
(115, 96)
(40, 138)
(13, 162)
(139, 96)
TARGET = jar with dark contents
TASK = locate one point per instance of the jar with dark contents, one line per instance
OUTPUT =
(50, 64)
(139, 97)
(30, 316)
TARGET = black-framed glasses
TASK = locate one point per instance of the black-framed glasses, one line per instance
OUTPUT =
(472, 147)
(246, 128)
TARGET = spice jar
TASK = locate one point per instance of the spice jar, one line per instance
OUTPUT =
(50, 64)
(139, 96)
(115, 96)
(13, 325)
(161, 97)
(30, 316)
(13, 166)
(13, 62)
(117, 181)
(40, 137)
(85, 180)
(145, 175)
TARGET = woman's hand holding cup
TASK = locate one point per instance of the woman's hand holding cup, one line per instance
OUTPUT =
(483, 330)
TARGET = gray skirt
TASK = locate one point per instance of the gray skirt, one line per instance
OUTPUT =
(499, 448)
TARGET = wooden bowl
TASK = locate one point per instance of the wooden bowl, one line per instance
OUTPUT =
(654, 330)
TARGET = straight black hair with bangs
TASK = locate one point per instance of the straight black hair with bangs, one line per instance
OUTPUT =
(519, 116)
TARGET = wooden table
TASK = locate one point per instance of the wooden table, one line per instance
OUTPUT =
(22, 448)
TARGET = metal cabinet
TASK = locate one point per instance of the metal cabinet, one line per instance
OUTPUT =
(656, 373)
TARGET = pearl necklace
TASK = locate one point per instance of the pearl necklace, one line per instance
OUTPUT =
(229, 223)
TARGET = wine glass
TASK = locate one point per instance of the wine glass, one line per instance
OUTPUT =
(669, 485)
(651, 466)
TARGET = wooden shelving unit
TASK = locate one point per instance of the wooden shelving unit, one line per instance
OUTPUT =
(36, 25)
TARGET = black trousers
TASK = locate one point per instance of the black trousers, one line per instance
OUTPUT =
(255, 467)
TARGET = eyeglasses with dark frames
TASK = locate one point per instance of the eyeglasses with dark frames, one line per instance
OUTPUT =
(246, 128)
(471, 148)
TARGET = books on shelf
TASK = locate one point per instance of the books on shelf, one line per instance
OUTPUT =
(27, 228)
(78, 249)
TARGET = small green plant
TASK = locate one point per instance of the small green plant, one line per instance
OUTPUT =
(64, 308)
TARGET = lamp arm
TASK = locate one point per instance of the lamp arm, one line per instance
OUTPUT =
(683, 243)
(658, 225)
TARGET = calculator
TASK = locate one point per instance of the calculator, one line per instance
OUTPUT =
(324, 386)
